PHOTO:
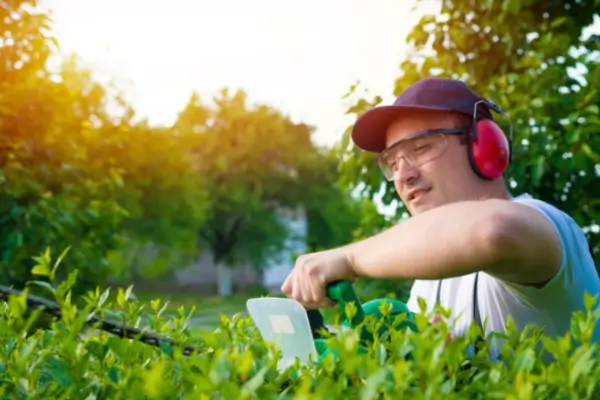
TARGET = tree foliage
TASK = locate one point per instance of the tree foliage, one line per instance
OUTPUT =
(52, 194)
(74, 174)
(543, 71)
(259, 168)
(79, 170)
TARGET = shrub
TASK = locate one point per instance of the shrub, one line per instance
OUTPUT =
(67, 360)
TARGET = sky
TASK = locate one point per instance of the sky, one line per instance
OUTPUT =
(299, 57)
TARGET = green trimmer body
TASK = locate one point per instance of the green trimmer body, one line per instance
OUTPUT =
(299, 333)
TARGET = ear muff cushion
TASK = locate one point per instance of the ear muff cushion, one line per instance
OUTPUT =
(489, 149)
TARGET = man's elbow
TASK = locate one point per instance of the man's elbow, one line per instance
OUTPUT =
(520, 246)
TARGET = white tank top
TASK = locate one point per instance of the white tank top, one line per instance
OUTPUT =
(550, 307)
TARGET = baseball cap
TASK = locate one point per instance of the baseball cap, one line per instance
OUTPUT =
(433, 94)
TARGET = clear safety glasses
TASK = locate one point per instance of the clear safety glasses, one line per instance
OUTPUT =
(415, 150)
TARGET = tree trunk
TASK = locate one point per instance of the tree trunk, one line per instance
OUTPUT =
(225, 279)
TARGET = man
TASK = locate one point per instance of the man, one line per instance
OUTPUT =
(469, 244)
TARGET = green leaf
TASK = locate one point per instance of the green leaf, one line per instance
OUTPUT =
(525, 361)
(57, 370)
(589, 300)
(253, 384)
(511, 6)
(103, 297)
(230, 390)
(42, 266)
(580, 162)
(121, 299)
(538, 170)
(166, 348)
(557, 22)
(97, 349)
(488, 3)
(113, 375)
(374, 382)
(18, 304)
(590, 153)
(153, 380)
(537, 103)
(573, 136)
(59, 261)
(45, 285)
(583, 365)
(118, 346)
(41, 269)
(552, 347)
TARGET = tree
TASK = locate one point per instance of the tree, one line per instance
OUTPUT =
(163, 194)
(543, 70)
(335, 216)
(50, 195)
(74, 175)
(256, 164)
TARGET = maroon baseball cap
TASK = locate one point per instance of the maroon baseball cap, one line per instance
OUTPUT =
(433, 94)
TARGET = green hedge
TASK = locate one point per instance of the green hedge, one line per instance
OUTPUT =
(66, 360)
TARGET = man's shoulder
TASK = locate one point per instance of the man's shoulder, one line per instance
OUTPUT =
(571, 235)
(551, 211)
(526, 198)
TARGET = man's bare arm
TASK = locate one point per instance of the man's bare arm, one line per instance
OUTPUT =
(506, 239)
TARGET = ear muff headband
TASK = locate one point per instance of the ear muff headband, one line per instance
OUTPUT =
(489, 150)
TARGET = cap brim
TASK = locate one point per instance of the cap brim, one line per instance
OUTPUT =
(370, 129)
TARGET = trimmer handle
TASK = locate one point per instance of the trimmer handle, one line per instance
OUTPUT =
(343, 293)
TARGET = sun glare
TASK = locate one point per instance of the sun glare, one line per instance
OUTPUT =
(300, 57)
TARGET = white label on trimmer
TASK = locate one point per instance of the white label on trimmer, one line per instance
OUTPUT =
(281, 323)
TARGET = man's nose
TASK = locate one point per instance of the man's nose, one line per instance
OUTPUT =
(405, 171)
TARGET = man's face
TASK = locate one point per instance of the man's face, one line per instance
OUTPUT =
(443, 174)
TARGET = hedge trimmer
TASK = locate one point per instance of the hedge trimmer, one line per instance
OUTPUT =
(113, 327)
(299, 333)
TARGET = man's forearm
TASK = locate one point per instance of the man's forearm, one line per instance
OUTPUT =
(448, 241)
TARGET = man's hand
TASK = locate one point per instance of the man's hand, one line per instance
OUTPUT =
(312, 273)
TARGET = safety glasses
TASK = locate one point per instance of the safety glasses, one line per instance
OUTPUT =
(416, 150)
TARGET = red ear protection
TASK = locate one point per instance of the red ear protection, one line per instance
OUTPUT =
(488, 148)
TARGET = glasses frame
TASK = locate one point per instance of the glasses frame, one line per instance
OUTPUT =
(449, 131)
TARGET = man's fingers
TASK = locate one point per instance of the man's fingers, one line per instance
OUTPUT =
(329, 303)
(285, 288)
(311, 306)
(307, 284)
(315, 295)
